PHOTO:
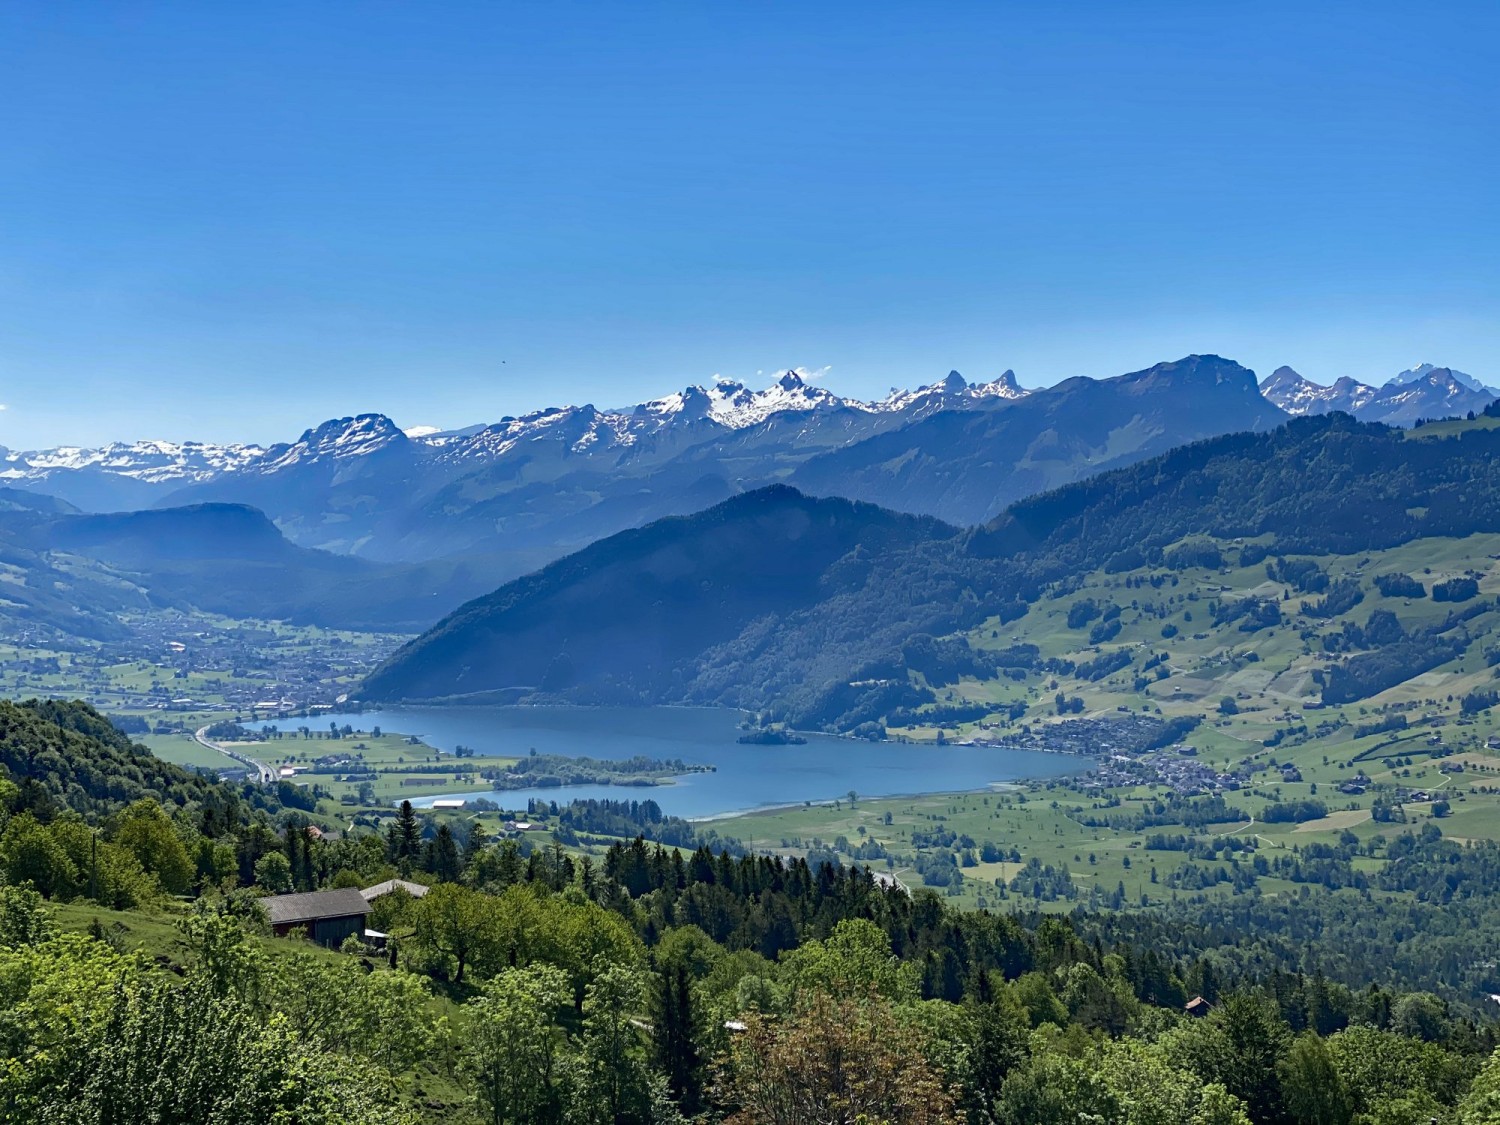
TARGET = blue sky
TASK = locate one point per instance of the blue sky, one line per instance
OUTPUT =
(232, 221)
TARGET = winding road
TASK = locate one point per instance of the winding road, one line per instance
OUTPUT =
(263, 773)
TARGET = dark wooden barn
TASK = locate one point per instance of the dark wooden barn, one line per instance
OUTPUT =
(327, 916)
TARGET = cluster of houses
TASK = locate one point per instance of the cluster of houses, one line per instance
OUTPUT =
(1118, 734)
(1180, 770)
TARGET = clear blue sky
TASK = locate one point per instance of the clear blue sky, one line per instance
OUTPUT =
(230, 221)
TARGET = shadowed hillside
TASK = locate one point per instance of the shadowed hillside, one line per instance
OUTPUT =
(965, 467)
(620, 618)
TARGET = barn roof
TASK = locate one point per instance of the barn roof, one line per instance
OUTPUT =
(310, 907)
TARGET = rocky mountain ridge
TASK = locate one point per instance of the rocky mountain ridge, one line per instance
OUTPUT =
(1421, 392)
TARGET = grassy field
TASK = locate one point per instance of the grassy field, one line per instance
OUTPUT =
(1044, 823)
(184, 750)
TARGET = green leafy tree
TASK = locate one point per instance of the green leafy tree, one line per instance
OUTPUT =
(1056, 1089)
(512, 1052)
(148, 834)
(1481, 1105)
(458, 925)
(222, 958)
(611, 1081)
(855, 960)
(1376, 1067)
(837, 1061)
(1150, 1091)
(1314, 1090)
(32, 854)
(188, 1056)
(273, 871)
(23, 918)
(1421, 1015)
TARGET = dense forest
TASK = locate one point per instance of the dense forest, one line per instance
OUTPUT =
(668, 984)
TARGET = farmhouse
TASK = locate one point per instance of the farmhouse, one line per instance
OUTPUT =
(327, 916)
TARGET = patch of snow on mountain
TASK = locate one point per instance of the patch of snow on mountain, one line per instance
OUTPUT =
(950, 393)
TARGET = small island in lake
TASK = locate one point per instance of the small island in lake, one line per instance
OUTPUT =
(555, 770)
(772, 736)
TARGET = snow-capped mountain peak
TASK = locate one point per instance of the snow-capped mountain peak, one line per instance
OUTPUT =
(1003, 387)
(1423, 370)
(1297, 395)
(338, 439)
(953, 392)
(1431, 392)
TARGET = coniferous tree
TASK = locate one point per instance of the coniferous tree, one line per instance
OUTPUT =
(405, 834)
(440, 856)
(675, 1036)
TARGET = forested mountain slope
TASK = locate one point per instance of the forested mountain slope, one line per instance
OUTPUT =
(625, 617)
(67, 756)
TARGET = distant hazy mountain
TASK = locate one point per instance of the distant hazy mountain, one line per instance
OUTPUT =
(1421, 370)
(19, 500)
(122, 475)
(965, 467)
(75, 573)
(518, 492)
(1436, 394)
(1423, 391)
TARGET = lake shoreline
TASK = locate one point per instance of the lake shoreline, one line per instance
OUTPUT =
(745, 778)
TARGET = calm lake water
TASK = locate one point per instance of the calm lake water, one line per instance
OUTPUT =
(747, 777)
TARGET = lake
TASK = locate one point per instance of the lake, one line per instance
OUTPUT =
(746, 777)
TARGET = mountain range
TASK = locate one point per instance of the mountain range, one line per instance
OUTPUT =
(1419, 393)
(518, 493)
(432, 518)
(821, 610)
(540, 484)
